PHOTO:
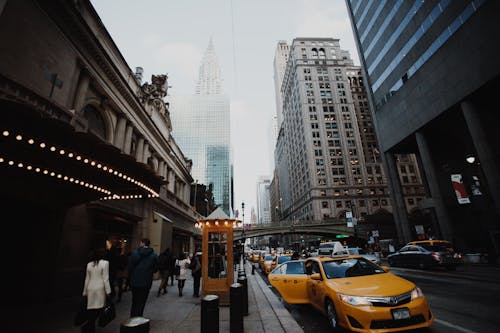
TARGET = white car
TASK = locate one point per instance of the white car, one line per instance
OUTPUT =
(369, 256)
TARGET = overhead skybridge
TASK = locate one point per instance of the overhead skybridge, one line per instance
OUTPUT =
(320, 228)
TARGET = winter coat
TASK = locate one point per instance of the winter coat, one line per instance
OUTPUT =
(196, 267)
(142, 265)
(96, 285)
(183, 264)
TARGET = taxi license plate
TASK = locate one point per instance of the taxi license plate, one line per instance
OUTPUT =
(400, 313)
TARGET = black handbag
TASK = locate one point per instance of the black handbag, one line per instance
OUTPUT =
(107, 315)
(177, 270)
(81, 315)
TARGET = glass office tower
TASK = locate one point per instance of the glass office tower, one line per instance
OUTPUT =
(433, 71)
(201, 127)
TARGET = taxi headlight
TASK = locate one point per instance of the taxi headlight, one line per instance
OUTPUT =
(354, 300)
(416, 293)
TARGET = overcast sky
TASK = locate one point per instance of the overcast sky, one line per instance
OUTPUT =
(170, 37)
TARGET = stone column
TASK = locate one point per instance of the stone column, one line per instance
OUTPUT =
(483, 150)
(128, 139)
(145, 154)
(2, 5)
(120, 132)
(161, 167)
(398, 201)
(139, 153)
(81, 90)
(435, 191)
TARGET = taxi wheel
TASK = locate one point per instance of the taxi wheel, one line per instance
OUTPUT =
(331, 314)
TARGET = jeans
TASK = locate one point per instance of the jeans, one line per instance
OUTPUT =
(139, 298)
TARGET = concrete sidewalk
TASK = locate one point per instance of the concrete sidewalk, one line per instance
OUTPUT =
(168, 313)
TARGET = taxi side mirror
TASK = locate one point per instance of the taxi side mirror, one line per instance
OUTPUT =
(386, 268)
(316, 276)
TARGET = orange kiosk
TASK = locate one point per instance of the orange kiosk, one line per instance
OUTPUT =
(217, 254)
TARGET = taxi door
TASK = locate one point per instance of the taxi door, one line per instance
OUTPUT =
(290, 280)
(315, 288)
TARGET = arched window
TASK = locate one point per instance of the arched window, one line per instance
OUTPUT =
(315, 53)
(322, 54)
(96, 124)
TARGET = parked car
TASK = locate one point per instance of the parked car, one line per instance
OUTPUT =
(267, 264)
(426, 254)
(362, 252)
(353, 293)
(279, 259)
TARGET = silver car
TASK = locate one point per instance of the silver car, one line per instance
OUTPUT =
(362, 252)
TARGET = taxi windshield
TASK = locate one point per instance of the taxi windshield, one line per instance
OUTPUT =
(343, 268)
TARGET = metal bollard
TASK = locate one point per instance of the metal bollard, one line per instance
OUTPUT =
(243, 281)
(135, 325)
(236, 308)
(241, 273)
(253, 269)
(210, 314)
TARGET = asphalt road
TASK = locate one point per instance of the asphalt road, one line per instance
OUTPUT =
(460, 302)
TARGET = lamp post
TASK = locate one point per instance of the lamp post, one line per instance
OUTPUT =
(206, 200)
(243, 230)
(195, 194)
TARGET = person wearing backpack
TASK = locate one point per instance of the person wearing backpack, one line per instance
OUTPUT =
(195, 267)
(143, 264)
(163, 267)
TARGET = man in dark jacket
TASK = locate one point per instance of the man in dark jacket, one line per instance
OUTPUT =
(143, 264)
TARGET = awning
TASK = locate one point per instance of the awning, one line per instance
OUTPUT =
(166, 219)
(46, 159)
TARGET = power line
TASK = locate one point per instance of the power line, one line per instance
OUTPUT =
(234, 50)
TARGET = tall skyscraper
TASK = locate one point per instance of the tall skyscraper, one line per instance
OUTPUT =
(201, 125)
(326, 153)
(263, 201)
(280, 60)
(433, 72)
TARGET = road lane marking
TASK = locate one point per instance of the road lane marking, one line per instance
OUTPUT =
(459, 328)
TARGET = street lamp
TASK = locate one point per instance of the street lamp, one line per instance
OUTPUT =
(206, 200)
(195, 194)
(243, 229)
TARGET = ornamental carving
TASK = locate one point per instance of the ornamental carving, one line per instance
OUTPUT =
(152, 95)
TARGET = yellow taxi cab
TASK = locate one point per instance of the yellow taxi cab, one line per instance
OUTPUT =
(353, 293)
(255, 256)
(267, 265)
(262, 259)
(279, 259)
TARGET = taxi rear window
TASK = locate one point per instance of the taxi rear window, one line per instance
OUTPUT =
(350, 267)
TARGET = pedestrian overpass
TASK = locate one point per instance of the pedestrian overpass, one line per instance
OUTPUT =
(320, 228)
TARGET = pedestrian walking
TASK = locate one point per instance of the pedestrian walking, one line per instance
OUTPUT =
(143, 264)
(196, 272)
(121, 275)
(171, 268)
(112, 255)
(96, 289)
(164, 260)
(183, 264)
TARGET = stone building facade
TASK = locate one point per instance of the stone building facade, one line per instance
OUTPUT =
(87, 159)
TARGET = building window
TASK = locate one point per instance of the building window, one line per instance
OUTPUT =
(338, 204)
(96, 124)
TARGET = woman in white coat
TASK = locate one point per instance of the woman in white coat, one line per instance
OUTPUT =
(183, 263)
(96, 288)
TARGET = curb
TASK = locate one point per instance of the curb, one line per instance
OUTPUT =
(287, 322)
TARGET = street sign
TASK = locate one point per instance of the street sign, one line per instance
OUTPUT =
(348, 215)
(375, 233)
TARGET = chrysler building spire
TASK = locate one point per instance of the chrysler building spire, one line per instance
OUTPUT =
(209, 79)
